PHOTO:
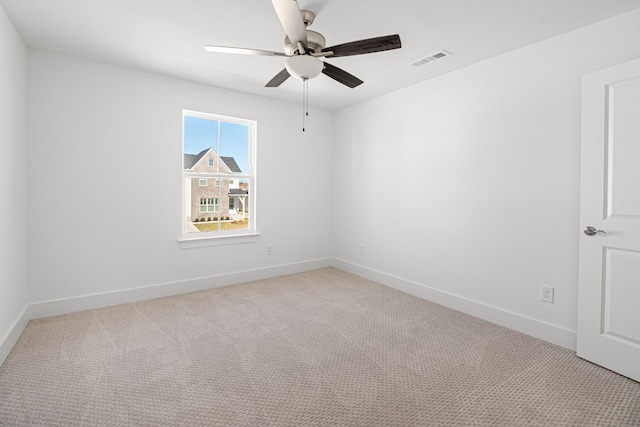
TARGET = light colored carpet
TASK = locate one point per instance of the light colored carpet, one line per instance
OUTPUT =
(322, 348)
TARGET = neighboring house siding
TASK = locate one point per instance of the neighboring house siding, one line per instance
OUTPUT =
(211, 191)
(208, 161)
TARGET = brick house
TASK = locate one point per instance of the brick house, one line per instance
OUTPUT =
(219, 197)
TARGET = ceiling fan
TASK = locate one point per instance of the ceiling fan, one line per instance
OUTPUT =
(304, 48)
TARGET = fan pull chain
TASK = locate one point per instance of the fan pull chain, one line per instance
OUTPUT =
(305, 101)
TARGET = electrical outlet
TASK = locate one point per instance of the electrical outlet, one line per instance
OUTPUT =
(269, 249)
(361, 249)
(546, 293)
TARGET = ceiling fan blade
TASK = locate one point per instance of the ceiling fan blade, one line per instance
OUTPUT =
(289, 15)
(241, 51)
(341, 76)
(376, 44)
(278, 79)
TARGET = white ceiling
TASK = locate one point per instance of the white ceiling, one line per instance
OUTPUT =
(167, 37)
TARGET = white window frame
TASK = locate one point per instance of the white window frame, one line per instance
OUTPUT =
(200, 182)
(215, 238)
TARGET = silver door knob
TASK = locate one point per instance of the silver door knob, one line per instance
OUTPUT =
(592, 231)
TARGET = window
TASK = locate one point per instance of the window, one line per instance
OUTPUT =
(209, 205)
(221, 150)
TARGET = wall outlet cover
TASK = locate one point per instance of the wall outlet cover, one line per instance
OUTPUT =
(546, 293)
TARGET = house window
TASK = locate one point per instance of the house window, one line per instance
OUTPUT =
(209, 205)
(221, 149)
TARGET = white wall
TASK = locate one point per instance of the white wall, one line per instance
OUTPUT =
(489, 158)
(106, 141)
(13, 183)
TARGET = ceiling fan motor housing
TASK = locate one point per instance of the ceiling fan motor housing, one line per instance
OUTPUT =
(315, 43)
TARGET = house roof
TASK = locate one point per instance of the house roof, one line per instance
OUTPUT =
(238, 191)
(190, 160)
(231, 164)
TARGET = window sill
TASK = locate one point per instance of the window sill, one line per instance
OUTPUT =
(202, 242)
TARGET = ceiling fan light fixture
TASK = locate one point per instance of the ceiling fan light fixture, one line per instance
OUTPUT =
(304, 67)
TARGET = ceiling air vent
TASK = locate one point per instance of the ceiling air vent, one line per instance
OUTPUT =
(437, 55)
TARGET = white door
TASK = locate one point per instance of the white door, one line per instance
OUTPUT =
(609, 277)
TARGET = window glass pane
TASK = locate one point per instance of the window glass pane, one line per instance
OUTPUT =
(228, 212)
(234, 148)
(200, 143)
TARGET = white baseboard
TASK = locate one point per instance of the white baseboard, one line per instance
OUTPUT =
(536, 328)
(125, 296)
(11, 337)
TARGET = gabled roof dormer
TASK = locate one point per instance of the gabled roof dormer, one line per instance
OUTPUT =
(200, 162)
